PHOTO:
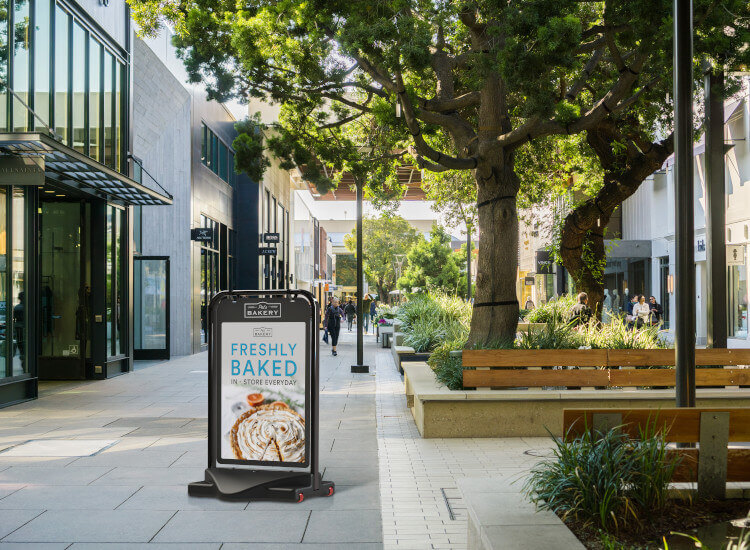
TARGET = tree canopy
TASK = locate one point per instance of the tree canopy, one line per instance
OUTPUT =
(447, 85)
(384, 238)
(432, 265)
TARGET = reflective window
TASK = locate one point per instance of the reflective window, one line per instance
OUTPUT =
(62, 22)
(6, 368)
(18, 282)
(120, 80)
(109, 122)
(3, 63)
(79, 89)
(95, 97)
(42, 29)
(21, 45)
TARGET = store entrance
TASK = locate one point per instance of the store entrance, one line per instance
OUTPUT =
(64, 287)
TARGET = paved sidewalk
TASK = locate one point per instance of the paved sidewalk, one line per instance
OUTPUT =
(151, 425)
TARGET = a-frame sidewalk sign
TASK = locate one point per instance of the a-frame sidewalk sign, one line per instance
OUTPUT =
(263, 406)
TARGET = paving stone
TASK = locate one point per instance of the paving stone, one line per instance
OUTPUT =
(343, 526)
(233, 526)
(46, 475)
(10, 520)
(175, 498)
(125, 475)
(104, 526)
(146, 546)
(87, 497)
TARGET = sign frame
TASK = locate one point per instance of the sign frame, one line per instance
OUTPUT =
(202, 234)
(254, 480)
(274, 238)
(267, 251)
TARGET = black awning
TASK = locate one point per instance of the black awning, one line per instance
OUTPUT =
(68, 167)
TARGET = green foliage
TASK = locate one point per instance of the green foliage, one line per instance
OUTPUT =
(448, 369)
(383, 239)
(431, 319)
(386, 312)
(432, 265)
(557, 309)
(608, 480)
(248, 148)
(346, 270)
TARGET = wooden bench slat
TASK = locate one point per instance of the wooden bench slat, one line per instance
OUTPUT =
(722, 357)
(640, 357)
(666, 377)
(681, 425)
(535, 358)
(535, 378)
(738, 465)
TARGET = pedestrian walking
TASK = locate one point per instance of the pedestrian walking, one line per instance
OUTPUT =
(333, 323)
(373, 313)
(350, 311)
(325, 320)
(366, 313)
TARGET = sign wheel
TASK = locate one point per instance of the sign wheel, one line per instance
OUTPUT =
(301, 498)
(330, 492)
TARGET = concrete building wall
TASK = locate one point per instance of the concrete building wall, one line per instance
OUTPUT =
(161, 123)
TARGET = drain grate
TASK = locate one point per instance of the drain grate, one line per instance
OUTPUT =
(454, 503)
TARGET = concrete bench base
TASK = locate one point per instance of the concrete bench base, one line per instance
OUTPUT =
(440, 412)
(500, 518)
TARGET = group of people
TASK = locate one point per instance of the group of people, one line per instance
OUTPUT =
(639, 312)
(335, 313)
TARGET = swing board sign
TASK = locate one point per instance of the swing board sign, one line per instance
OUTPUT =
(263, 393)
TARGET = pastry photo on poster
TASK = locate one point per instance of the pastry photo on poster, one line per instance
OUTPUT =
(263, 392)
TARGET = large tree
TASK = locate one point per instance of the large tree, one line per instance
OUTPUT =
(432, 265)
(463, 84)
(384, 238)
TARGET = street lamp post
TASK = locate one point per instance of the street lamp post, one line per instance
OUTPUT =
(684, 222)
(360, 367)
(468, 263)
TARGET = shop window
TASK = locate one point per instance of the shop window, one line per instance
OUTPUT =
(79, 88)
(42, 33)
(115, 280)
(108, 114)
(21, 32)
(95, 96)
(62, 43)
(4, 49)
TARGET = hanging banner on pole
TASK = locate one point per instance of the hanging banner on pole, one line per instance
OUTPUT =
(263, 397)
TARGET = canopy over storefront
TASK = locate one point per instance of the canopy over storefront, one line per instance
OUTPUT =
(67, 167)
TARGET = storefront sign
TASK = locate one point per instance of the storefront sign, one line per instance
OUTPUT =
(528, 281)
(735, 254)
(16, 170)
(263, 397)
(202, 234)
(544, 263)
(271, 238)
(268, 251)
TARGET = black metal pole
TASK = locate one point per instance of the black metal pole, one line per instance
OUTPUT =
(468, 263)
(360, 366)
(684, 223)
(716, 250)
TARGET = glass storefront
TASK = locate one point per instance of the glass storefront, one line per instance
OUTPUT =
(738, 298)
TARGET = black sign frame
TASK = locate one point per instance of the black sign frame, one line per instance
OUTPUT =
(274, 238)
(202, 234)
(544, 263)
(252, 479)
(268, 251)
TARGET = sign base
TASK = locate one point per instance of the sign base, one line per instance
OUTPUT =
(260, 485)
(360, 368)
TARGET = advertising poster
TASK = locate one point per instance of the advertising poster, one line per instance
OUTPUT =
(263, 392)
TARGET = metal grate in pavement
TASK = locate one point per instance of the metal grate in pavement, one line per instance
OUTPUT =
(454, 502)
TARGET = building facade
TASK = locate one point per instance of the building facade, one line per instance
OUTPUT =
(67, 193)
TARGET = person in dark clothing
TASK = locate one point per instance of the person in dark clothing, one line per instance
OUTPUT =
(581, 312)
(657, 312)
(350, 311)
(373, 313)
(333, 323)
(19, 325)
(325, 321)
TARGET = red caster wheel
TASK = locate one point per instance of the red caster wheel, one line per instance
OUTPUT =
(330, 491)
(301, 498)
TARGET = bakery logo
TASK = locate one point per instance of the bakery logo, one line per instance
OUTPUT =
(262, 332)
(262, 310)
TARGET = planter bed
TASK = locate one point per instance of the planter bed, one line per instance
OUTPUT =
(440, 412)
(403, 354)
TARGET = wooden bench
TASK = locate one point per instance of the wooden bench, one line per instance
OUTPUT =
(712, 465)
(604, 368)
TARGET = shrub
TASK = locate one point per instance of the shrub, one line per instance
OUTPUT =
(607, 480)
(386, 312)
(556, 309)
(448, 369)
(429, 319)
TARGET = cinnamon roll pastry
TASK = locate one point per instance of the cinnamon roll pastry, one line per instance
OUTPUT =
(269, 433)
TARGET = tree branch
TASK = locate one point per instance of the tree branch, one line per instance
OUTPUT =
(469, 99)
(576, 88)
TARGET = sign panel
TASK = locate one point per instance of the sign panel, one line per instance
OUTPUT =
(735, 254)
(544, 262)
(15, 170)
(268, 251)
(263, 379)
(271, 238)
(202, 234)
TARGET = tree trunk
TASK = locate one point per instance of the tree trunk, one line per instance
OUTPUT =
(582, 237)
(495, 313)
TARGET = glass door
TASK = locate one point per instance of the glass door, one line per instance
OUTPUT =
(64, 289)
(151, 307)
